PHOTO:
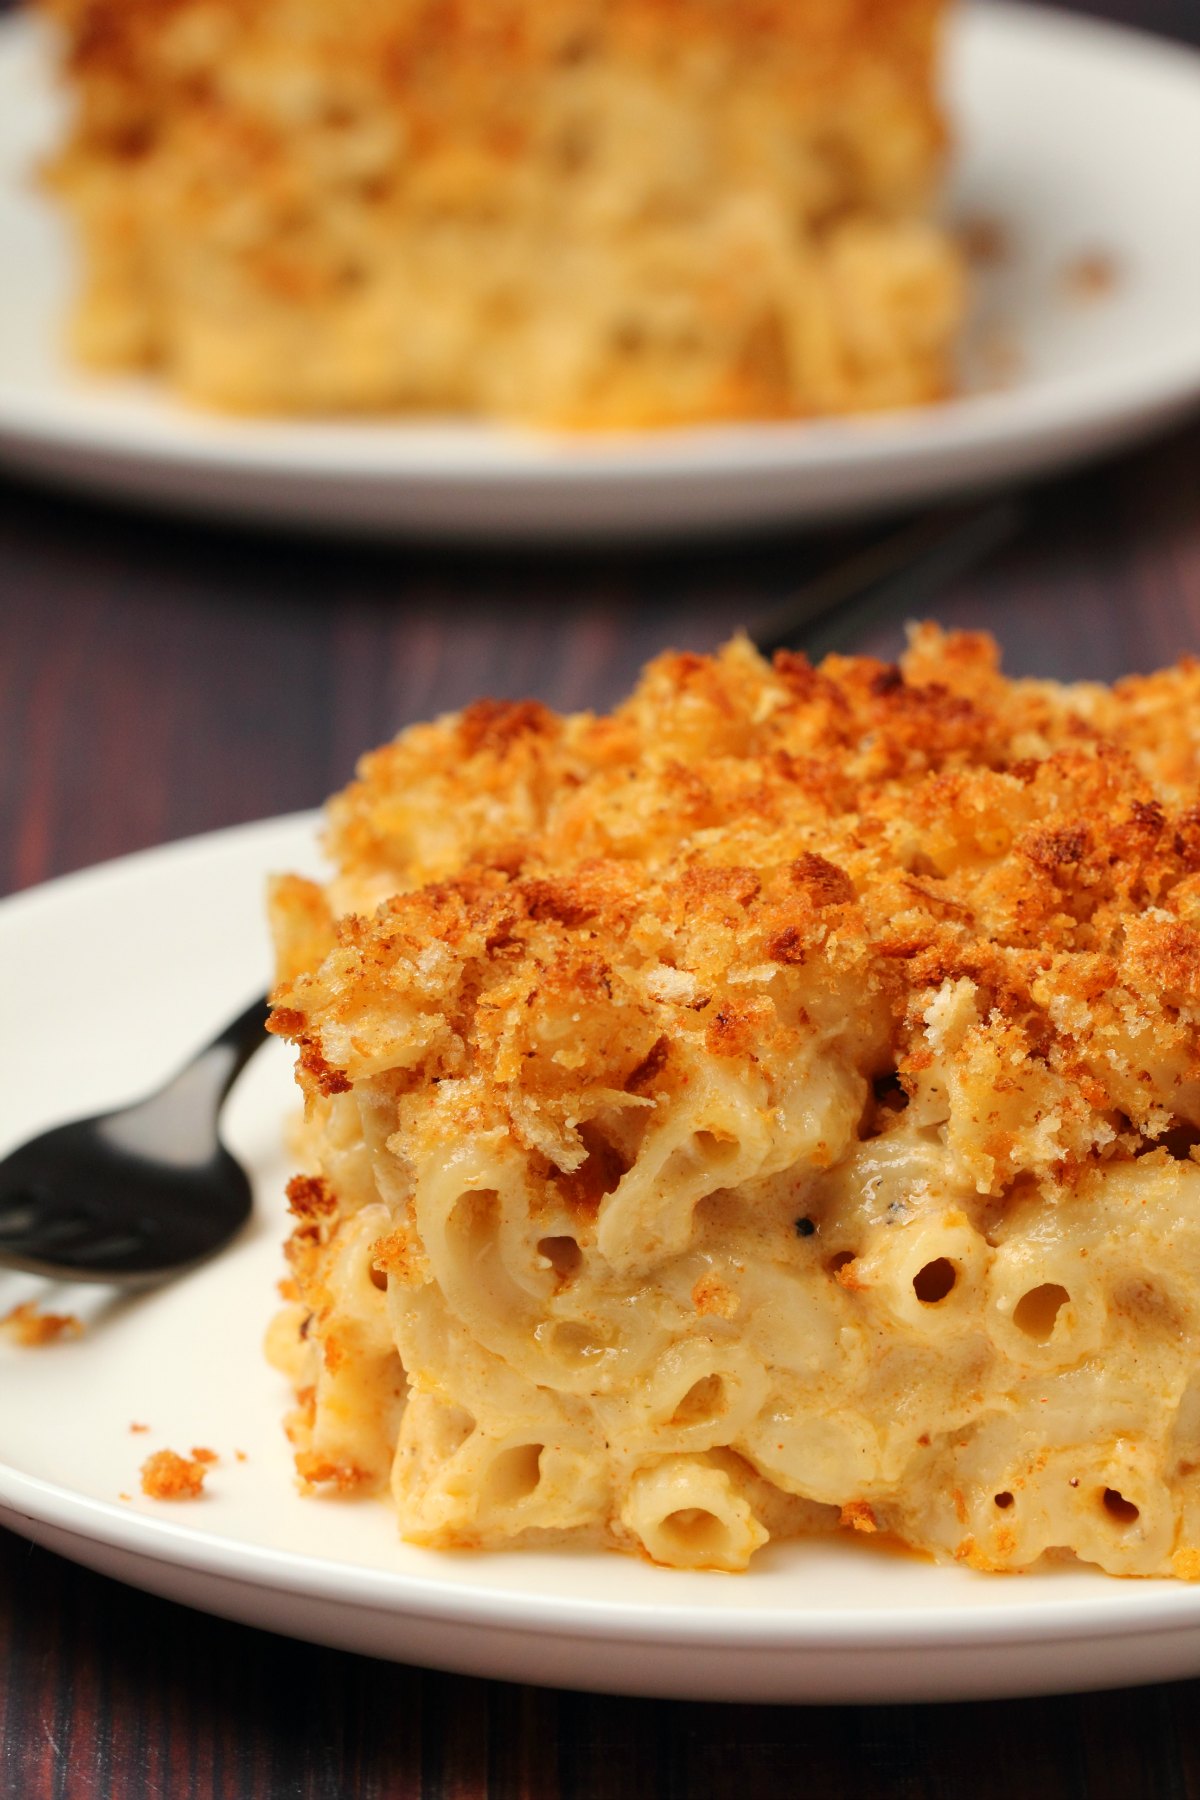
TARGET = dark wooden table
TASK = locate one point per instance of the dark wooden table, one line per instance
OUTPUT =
(159, 679)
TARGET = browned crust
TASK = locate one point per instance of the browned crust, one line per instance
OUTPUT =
(887, 828)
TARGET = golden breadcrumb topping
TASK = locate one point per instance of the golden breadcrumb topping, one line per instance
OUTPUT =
(1004, 874)
(28, 1326)
(168, 1476)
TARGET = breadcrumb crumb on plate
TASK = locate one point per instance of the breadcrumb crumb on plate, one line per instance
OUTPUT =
(28, 1326)
(168, 1476)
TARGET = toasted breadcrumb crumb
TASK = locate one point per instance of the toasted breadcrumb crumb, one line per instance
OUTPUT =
(168, 1476)
(712, 1296)
(136, 1425)
(985, 241)
(1091, 276)
(29, 1327)
(857, 1515)
(314, 1471)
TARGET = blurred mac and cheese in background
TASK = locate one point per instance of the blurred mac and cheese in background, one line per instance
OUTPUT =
(592, 213)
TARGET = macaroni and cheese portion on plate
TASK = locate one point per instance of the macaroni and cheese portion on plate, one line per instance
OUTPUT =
(583, 213)
(770, 1109)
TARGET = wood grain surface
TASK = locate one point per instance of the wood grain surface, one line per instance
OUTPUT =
(159, 679)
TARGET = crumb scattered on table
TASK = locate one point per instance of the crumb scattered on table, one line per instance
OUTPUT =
(28, 1326)
(241, 1455)
(1090, 276)
(136, 1425)
(169, 1476)
(202, 1454)
(124, 1496)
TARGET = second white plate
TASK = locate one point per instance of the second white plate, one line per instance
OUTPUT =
(1082, 139)
(113, 976)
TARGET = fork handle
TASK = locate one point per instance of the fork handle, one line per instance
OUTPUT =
(885, 582)
(177, 1123)
(229, 1052)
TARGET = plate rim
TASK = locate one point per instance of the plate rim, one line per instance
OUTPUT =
(1128, 1608)
(390, 1592)
(344, 451)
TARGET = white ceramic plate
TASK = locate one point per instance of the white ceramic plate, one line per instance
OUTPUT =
(1082, 138)
(111, 977)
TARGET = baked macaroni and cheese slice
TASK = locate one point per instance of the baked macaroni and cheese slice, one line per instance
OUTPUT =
(773, 1107)
(586, 212)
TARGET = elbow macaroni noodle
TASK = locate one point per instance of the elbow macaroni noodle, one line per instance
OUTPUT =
(776, 1112)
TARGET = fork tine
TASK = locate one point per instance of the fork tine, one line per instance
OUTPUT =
(102, 1257)
(17, 1218)
(115, 1244)
(46, 1231)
